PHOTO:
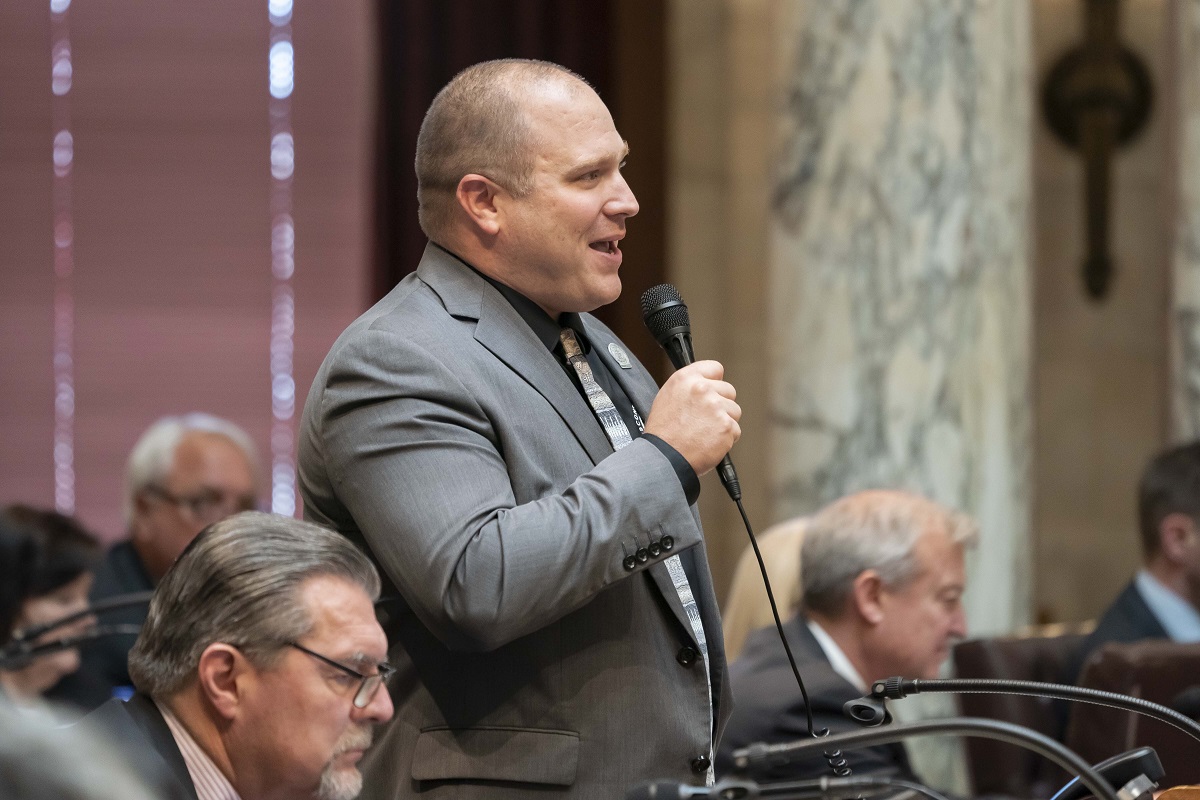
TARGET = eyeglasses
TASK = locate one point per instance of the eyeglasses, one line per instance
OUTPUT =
(207, 505)
(370, 683)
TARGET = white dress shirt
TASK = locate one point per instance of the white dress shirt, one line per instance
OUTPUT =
(210, 782)
(837, 658)
(1177, 616)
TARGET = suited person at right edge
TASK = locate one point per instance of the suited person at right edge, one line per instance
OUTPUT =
(1163, 599)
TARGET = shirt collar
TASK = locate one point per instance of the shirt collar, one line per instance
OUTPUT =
(837, 657)
(1178, 617)
(210, 782)
(543, 326)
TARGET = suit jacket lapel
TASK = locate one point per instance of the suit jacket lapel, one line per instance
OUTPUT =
(501, 330)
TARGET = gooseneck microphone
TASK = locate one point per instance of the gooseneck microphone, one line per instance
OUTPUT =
(897, 688)
(760, 758)
(21, 654)
(831, 788)
(666, 315)
(21, 648)
(99, 607)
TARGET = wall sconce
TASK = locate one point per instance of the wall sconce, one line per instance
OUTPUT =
(1097, 98)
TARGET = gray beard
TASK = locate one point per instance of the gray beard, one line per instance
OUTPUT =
(344, 784)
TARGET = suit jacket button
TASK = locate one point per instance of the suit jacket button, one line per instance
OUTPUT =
(687, 656)
(655, 549)
(643, 555)
(630, 563)
(667, 543)
(700, 765)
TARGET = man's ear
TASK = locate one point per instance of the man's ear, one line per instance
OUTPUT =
(867, 596)
(221, 677)
(476, 195)
(1177, 536)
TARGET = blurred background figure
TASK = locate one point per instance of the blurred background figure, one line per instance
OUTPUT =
(38, 762)
(185, 473)
(747, 607)
(1163, 599)
(49, 563)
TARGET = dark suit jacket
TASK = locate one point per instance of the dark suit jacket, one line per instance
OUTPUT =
(768, 706)
(104, 662)
(1128, 619)
(138, 732)
(446, 438)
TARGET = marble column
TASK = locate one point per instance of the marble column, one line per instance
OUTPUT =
(1185, 257)
(899, 268)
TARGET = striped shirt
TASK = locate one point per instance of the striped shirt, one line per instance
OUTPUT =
(210, 782)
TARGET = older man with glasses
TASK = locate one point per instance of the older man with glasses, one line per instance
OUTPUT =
(260, 669)
(184, 473)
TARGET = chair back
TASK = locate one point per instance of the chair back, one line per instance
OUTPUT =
(1155, 670)
(996, 767)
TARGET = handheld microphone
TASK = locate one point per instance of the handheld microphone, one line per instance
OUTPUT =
(666, 315)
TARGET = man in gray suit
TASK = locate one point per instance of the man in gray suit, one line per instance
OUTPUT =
(555, 629)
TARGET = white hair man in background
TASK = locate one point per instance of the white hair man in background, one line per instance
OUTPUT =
(185, 473)
(882, 577)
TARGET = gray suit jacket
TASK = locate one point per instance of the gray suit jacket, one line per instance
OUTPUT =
(443, 436)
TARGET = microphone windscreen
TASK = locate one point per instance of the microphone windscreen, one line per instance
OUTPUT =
(663, 311)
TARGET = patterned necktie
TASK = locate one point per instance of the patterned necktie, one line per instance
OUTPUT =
(618, 435)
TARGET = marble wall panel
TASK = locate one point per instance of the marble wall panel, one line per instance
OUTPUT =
(899, 268)
(1185, 256)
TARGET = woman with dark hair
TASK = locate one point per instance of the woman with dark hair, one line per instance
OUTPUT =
(51, 559)
(17, 558)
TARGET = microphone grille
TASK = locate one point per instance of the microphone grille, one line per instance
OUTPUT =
(656, 296)
(663, 320)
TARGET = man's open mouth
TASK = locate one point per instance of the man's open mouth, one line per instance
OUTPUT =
(604, 247)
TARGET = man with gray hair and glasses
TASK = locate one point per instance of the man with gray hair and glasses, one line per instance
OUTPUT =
(882, 578)
(184, 472)
(260, 669)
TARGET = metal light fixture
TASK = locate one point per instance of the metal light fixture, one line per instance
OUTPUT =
(1097, 98)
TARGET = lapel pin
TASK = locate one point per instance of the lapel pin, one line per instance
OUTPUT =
(620, 355)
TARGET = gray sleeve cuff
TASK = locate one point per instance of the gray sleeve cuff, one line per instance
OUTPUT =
(683, 470)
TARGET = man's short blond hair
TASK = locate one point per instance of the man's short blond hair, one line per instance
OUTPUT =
(478, 124)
